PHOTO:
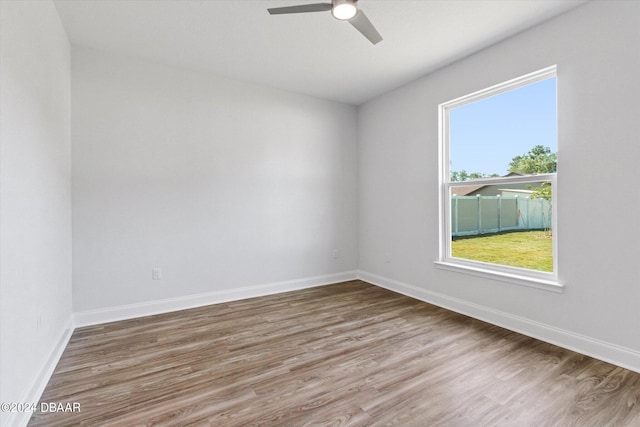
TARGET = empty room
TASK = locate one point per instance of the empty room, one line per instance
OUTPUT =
(297, 212)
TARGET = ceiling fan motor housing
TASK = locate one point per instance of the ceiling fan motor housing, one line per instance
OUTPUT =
(344, 9)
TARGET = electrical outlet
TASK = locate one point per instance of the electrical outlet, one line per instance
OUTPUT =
(387, 257)
(156, 273)
(336, 253)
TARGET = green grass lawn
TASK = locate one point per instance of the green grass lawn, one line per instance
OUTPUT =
(525, 249)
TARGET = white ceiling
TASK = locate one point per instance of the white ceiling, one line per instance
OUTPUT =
(308, 53)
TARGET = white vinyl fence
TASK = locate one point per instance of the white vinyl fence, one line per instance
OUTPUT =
(490, 214)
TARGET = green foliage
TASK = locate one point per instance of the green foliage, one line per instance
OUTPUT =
(463, 175)
(542, 192)
(539, 159)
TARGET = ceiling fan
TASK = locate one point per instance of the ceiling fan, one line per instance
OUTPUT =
(344, 10)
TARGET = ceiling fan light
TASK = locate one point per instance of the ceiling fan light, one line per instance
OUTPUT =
(344, 10)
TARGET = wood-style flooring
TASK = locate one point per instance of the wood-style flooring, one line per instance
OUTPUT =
(345, 354)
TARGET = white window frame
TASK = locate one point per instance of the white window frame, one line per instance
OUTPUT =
(522, 276)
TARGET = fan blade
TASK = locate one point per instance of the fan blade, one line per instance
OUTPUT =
(303, 8)
(362, 24)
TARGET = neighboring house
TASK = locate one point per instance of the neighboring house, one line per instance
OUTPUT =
(498, 189)
(512, 192)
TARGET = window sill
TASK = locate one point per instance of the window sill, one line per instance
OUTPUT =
(532, 282)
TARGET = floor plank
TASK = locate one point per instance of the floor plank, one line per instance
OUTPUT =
(349, 354)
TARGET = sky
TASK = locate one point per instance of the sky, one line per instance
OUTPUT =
(485, 135)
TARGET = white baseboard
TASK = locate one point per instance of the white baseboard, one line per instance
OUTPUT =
(34, 392)
(130, 311)
(617, 355)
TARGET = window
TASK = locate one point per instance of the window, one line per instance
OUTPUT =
(498, 170)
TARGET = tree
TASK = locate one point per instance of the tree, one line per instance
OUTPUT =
(463, 175)
(542, 192)
(539, 159)
(459, 175)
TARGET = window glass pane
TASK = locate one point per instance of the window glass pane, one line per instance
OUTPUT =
(509, 226)
(509, 136)
(511, 132)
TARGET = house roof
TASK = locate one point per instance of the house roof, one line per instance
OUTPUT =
(467, 190)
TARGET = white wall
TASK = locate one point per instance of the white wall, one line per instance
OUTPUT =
(35, 198)
(224, 185)
(595, 48)
(227, 185)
